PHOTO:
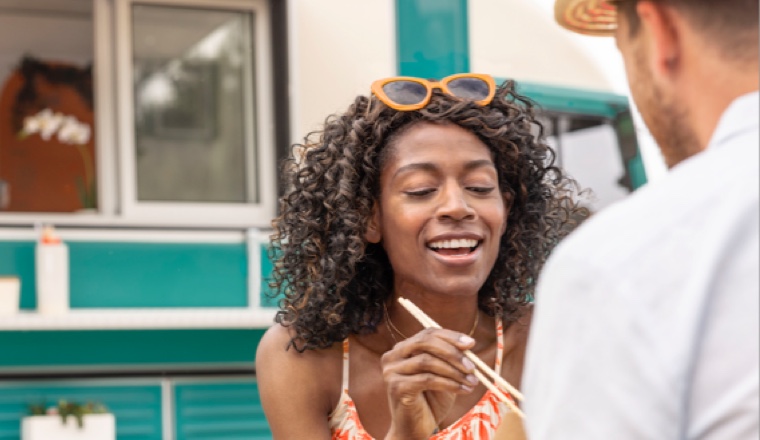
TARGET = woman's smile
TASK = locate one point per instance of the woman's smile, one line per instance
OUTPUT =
(456, 249)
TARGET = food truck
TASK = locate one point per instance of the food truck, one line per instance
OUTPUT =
(148, 133)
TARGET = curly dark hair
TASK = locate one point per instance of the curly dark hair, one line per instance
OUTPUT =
(333, 282)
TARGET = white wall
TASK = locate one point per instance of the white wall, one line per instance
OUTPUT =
(337, 48)
(66, 38)
(519, 40)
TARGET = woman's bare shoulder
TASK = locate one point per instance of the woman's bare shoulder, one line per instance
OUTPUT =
(518, 325)
(290, 382)
(515, 342)
(275, 341)
(275, 349)
(278, 362)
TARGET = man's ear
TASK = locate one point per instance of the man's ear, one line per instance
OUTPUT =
(664, 32)
(373, 234)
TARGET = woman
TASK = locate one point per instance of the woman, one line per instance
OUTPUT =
(436, 192)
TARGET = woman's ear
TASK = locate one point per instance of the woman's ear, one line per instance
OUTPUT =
(508, 200)
(373, 234)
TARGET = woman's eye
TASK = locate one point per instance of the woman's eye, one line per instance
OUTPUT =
(419, 192)
(481, 189)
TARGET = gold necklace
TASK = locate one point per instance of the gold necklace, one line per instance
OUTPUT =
(394, 328)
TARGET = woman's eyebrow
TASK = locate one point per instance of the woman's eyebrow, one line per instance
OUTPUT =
(431, 167)
(416, 166)
(479, 164)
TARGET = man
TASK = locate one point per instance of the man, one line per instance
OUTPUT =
(646, 317)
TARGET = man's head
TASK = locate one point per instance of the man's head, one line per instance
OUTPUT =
(684, 59)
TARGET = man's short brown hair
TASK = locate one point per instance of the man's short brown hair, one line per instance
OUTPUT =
(732, 25)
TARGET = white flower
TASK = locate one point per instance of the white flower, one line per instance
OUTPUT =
(46, 123)
(74, 132)
(82, 135)
(68, 127)
(31, 125)
(49, 123)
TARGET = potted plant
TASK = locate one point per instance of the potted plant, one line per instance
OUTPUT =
(68, 421)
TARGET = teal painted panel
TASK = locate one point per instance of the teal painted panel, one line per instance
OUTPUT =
(629, 149)
(229, 411)
(17, 259)
(267, 293)
(137, 408)
(119, 274)
(432, 38)
(568, 100)
(31, 349)
(637, 171)
(158, 275)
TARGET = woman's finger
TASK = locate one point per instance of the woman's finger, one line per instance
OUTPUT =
(426, 364)
(444, 344)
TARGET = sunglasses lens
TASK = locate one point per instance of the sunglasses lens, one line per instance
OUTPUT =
(405, 92)
(469, 88)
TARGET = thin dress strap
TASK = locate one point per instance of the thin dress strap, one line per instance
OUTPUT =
(345, 365)
(483, 419)
(499, 345)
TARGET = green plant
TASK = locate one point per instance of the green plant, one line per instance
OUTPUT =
(68, 409)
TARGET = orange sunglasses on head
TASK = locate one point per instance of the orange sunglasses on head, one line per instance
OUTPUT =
(405, 93)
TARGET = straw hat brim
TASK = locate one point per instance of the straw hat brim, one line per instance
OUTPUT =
(588, 17)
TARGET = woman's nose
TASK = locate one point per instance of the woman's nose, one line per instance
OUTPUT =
(454, 205)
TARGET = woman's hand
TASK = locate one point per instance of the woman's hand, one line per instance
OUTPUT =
(423, 375)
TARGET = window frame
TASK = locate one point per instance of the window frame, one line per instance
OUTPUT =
(228, 214)
(115, 130)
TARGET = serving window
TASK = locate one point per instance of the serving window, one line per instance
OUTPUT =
(150, 112)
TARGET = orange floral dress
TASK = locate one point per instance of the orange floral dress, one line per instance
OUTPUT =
(479, 423)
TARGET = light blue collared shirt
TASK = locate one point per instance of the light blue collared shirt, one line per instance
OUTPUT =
(646, 322)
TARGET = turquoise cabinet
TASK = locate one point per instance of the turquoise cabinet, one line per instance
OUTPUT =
(201, 286)
(224, 410)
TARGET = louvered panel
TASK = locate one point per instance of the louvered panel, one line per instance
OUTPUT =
(220, 411)
(137, 408)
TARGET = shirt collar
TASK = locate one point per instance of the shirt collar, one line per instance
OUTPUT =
(740, 116)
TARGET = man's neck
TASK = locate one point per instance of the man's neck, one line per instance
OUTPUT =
(710, 81)
(709, 91)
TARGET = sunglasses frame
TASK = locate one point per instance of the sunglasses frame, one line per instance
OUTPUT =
(377, 89)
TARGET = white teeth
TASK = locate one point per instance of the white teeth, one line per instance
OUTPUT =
(454, 244)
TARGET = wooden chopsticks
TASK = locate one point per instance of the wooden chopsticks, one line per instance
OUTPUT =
(428, 322)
